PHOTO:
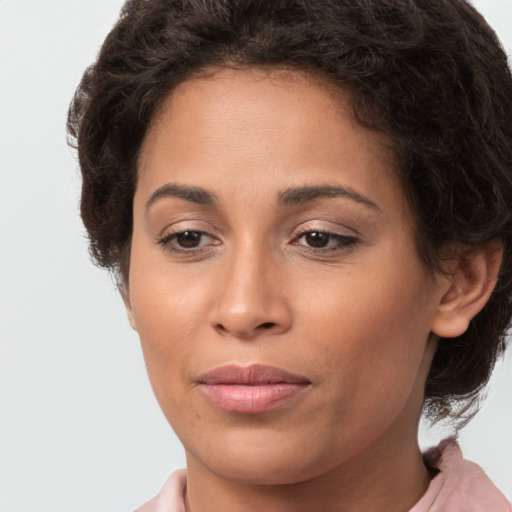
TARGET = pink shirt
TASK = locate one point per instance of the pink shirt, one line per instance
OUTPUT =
(460, 486)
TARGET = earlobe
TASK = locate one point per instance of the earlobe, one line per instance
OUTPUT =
(469, 286)
(125, 294)
(131, 319)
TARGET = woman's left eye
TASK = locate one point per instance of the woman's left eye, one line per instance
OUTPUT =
(322, 240)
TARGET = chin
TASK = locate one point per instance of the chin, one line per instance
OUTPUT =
(262, 472)
(276, 459)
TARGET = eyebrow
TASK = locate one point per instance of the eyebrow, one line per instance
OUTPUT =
(196, 195)
(288, 197)
(298, 195)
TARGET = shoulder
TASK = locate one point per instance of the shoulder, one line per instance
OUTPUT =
(172, 496)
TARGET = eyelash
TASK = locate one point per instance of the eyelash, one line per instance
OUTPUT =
(167, 242)
(341, 242)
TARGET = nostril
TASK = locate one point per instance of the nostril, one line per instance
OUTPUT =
(243, 331)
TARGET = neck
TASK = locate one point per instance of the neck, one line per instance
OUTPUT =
(389, 476)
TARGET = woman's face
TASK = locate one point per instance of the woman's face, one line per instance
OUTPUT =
(284, 314)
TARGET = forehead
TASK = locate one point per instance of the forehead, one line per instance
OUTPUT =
(264, 124)
(246, 102)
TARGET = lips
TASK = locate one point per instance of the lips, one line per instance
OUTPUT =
(251, 389)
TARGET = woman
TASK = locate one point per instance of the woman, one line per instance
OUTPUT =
(308, 207)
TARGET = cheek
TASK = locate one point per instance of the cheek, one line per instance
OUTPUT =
(165, 303)
(167, 310)
(370, 328)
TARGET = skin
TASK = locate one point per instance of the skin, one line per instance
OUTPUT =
(358, 318)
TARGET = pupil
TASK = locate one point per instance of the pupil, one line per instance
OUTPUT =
(189, 239)
(317, 239)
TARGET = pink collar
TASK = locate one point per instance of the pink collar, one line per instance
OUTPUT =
(460, 485)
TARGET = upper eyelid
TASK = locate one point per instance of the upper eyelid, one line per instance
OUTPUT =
(180, 226)
(207, 228)
(325, 232)
(335, 236)
(341, 231)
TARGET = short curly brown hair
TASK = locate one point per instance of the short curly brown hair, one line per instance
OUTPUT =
(431, 75)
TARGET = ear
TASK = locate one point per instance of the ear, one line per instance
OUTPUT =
(468, 288)
(125, 294)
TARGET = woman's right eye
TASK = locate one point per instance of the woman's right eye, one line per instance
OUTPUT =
(188, 241)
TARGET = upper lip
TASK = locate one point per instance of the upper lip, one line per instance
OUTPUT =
(253, 375)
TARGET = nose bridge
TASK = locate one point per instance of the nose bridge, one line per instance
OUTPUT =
(251, 298)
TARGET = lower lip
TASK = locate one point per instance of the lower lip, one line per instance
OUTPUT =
(255, 399)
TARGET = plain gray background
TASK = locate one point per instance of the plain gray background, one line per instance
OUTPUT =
(79, 427)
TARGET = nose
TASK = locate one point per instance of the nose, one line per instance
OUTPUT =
(251, 298)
